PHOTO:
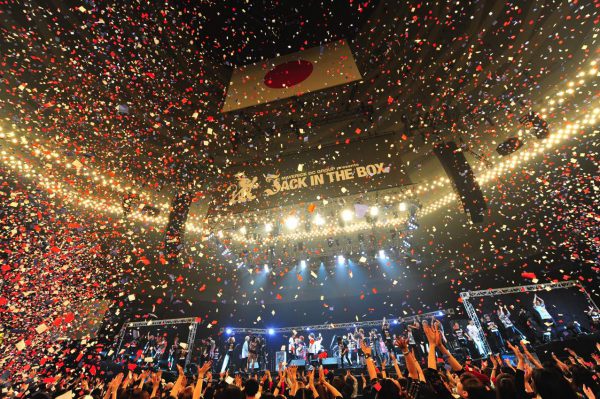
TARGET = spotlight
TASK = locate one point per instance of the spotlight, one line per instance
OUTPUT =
(509, 146)
(228, 331)
(318, 220)
(243, 230)
(395, 321)
(291, 222)
(303, 264)
(347, 215)
(374, 211)
(402, 206)
(341, 259)
(268, 227)
(271, 331)
(381, 254)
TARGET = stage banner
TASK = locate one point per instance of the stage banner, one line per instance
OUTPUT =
(329, 172)
(291, 75)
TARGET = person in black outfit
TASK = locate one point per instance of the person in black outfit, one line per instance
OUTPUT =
(343, 350)
(386, 335)
(417, 334)
(228, 355)
(495, 338)
(461, 340)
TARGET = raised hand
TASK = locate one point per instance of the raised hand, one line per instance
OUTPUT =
(402, 344)
(311, 378)
(322, 373)
(202, 370)
(588, 392)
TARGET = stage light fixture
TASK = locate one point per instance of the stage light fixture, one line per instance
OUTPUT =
(347, 215)
(291, 222)
(271, 331)
(374, 211)
(341, 259)
(402, 207)
(268, 227)
(318, 220)
(243, 230)
(228, 331)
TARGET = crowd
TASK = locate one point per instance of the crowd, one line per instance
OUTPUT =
(443, 376)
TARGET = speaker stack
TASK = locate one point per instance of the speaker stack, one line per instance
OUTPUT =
(460, 173)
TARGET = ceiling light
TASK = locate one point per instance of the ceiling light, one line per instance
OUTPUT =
(243, 230)
(374, 211)
(268, 227)
(291, 222)
(347, 215)
(318, 220)
(402, 206)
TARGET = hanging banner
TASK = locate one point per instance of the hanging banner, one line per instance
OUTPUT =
(330, 172)
(317, 68)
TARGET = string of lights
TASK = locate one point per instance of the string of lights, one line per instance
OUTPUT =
(197, 224)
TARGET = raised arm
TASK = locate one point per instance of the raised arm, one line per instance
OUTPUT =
(201, 372)
(334, 392)
(431, 332)
(456, 366)
(369, 361)
(396, 367)
(529, 357)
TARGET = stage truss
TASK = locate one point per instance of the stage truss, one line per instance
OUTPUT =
(333, 326)
(194, 322)
(467, 295)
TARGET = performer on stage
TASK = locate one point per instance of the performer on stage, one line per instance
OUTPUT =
(386, 336)
(261, 350)
(228, 358)
(173, 354)
(359, 336)
(150, 348)
(495, 338)
(343, 350)
(511, 332)
(314, 344)
(415, 338)
(292, 345)
(594, 318)
(252, 353)
(161, 348)
(546, 319)
(300, 348)
(208, 350)
(461, 340)
(245, 352)
(473, 333)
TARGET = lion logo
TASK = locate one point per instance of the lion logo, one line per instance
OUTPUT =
(242, 191)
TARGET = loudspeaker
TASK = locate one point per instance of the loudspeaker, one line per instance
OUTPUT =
(509, 146)
(330, 363)
(176, 224)
(460, 173)
(280, 357)
(301, 363)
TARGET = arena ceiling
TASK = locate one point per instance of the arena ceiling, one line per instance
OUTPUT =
(134, 92)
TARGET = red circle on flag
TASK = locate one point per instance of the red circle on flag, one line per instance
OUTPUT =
(288, 74)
